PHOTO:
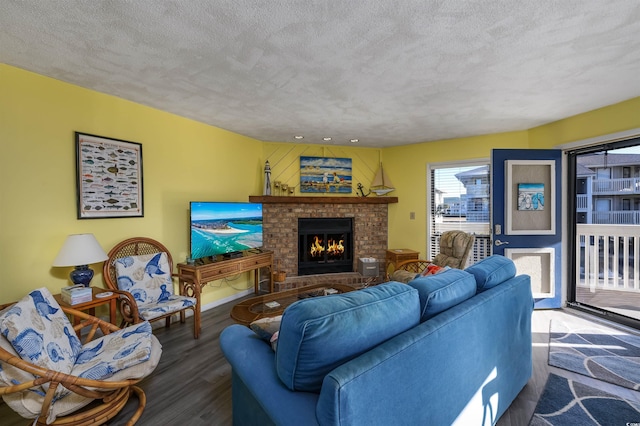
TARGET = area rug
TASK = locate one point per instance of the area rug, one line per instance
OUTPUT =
(596, 351)
(566, 402)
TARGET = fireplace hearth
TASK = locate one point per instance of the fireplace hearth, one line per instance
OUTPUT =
(325, 245)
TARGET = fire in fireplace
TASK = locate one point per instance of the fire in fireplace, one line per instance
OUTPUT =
(325, 245)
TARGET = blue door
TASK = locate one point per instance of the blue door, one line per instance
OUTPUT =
(526, 193)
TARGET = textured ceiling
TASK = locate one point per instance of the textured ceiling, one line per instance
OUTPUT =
(385, 72)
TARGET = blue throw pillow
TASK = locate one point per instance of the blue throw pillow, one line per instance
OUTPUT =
(319, 334)
(491, 271)
(442, 291)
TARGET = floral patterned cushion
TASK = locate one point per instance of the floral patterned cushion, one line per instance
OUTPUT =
(103, 357)
(132, 352)
(40, 332)
(172, 304)
(148, 279)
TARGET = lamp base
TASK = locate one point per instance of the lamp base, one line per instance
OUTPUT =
(81, 275)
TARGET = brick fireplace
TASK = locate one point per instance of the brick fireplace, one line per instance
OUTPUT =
(325, 245)
(280, 216)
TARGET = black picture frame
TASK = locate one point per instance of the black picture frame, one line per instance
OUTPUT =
(108, 177)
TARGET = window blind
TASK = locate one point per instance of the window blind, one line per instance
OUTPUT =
(459, 199)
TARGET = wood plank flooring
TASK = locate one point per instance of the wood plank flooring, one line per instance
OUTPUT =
(192, 383)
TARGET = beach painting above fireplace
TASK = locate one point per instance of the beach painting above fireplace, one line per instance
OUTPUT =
(325, 174)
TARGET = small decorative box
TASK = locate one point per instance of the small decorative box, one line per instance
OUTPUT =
(76, 294)
(368, 267)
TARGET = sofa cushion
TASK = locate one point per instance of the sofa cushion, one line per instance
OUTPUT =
(441, 291)
(318, 334)
(491, 271)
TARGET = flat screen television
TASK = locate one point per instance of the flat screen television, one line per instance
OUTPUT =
(219, 228)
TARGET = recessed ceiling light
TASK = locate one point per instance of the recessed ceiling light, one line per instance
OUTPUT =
(353, 140)
(298, 137)
(326, 139)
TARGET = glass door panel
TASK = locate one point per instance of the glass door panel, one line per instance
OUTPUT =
(606, 237)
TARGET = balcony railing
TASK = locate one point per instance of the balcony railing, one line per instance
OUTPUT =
(616, 186)
(608, 257)
(618, 217)
(582, 202)
(480, 190)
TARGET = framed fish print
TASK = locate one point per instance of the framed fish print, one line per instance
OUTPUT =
(108, 177)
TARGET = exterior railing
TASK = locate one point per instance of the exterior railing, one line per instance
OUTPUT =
(582, 202)
(481, 190)
(608, 257)
(618, 217)
(616, 186)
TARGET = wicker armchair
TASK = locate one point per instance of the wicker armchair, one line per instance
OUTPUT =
(134, 303)
(81, 384)
(455, 247)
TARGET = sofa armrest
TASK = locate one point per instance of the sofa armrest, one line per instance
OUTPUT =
(253, 362)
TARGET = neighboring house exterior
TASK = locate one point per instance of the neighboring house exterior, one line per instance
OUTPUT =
(608, 189)
(478, 198)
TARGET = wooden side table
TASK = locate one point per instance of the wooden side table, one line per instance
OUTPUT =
(206, 270)
(395, 256)
(90, 306)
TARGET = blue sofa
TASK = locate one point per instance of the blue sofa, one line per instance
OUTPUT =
(452, 348)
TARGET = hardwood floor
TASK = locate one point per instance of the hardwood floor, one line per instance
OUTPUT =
(192, 383)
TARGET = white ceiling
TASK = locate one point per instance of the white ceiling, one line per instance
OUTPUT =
(385, 72)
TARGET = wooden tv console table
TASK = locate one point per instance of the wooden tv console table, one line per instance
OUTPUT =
(206, 270)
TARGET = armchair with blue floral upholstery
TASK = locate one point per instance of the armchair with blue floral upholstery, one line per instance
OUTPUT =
(141, 271)
(47, 373)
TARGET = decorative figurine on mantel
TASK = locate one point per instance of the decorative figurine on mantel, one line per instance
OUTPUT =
(381, 184)
(267, 179)
(361, 190)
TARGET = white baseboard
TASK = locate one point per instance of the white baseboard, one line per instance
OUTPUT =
(211, 305)
(231, 298)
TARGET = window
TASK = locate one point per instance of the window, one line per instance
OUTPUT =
(459, 198)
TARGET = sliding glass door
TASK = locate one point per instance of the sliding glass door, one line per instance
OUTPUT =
(605, 233)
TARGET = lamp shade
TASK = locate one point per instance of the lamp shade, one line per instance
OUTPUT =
(80, 249)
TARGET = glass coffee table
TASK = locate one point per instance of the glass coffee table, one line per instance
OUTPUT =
(273, 304)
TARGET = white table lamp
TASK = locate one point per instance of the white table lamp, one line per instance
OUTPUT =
(80, 250)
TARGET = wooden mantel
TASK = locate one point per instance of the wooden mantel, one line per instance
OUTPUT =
(273, 199)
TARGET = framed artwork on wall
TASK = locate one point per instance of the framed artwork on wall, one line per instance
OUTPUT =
(530, 194)
(108, 177)
(325, 175)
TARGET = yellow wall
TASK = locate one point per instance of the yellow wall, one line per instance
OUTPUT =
(407, 165)
(183, 160)
(603, 121)
(186, 160)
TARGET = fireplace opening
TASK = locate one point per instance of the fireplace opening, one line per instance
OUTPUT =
(325, 245)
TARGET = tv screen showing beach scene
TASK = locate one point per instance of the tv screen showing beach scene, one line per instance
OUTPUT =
(220, 228)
